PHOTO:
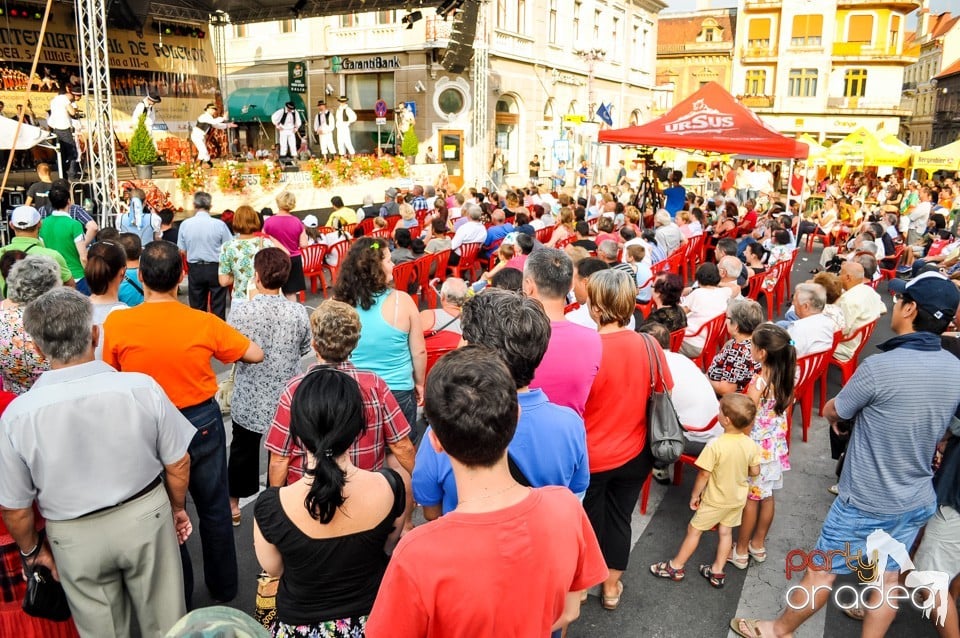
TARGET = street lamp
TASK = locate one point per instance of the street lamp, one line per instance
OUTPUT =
(591, 57)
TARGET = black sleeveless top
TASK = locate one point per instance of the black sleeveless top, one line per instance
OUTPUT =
(327, 578)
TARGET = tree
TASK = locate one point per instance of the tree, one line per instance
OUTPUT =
(142, 151)
(411, 144)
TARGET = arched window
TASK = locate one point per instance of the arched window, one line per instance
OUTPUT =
(548, 110)
(635, 117)
(508, 130)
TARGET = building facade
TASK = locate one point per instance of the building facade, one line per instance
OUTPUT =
(549, 61)
(946, 124)
(823, 67)
(695, 48)
(938, 39)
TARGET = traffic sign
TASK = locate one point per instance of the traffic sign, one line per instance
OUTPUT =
(381, 121)
(380, 109)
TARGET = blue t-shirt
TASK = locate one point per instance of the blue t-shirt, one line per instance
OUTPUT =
(131, 293)
(900, 418)
(675, 197)
(549, 447)
(583, 176)
(495, 234)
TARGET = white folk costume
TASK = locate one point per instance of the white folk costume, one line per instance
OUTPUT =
(345, 116)
(288, 122)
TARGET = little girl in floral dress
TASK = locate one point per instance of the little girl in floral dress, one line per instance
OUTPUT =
(772, 391)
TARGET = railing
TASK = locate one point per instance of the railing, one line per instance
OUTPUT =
(437, 29)
(758, 52)
(909, 86)
(695, 47)
(757, 101)
(761, 5)
(513, 44)
(861, 49)
(861, 103)
(365, 37)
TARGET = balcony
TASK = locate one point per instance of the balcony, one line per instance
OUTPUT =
(762, 5)
(368, 38)
(758, 54)
(909, 87)
(866, 106)
(894, 5)
(513, 45)
(757, 101)
(695, 48)
(862, 52)
(437, 32)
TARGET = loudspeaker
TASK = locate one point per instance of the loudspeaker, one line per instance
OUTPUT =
(131, 14)
(460, 48)
(15, 198)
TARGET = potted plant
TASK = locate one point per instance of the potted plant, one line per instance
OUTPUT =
(411, 144)
(142, 151)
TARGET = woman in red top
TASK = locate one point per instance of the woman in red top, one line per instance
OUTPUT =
(13, 620)
(616, 422)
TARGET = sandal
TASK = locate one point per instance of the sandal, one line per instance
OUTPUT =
(751, 631)
(716, 580)
(737, 560)
(236, 519)
(610, 603)
(857, 612)
(666, 570)
(759, 555)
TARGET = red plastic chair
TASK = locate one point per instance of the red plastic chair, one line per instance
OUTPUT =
(543, 235)
(367, 225)
(349, 228)
(676, 339)
(380, 233)
(392, 222)
(570, 307)
(713, 332)
(790, 263)
(754, 287)
(891, 273)
(825, 238)
(423, 278)
(405, 274)
(689, 459)
(566, 241)
(661, 266)
(442, 259)
(677, 263)
(809, 369)
(469, 260)
(439, 345)
(313, 258)
(340, 249)
(847, 368)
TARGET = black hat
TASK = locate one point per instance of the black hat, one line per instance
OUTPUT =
(290, 105)
(210, 105)
(153, 96)
(342, 98)
(321, 103)
(74, 90)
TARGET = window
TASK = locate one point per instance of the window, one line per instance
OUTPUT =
(239, 30)
(386, 17)
(348, 20)
(502, 14)
(617, 39)
(807, 31)
(548, 110)
(552, 23)
(756, 82)
(894, 38)
(855, 83)
(758, 35)
(521, 20)
(860, 29)
(288, 26)
(803, 83)
(577, 7)
(451, 101)
(708, 35)
(597, 15)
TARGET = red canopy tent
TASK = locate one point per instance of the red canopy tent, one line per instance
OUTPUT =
(710, 120)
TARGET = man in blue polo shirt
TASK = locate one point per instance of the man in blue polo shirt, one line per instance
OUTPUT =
(901, 406)
(550, 444)
(495, 234)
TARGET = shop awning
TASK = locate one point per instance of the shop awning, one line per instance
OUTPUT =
(863, 148)
(944, 158)
(258, 104)
(710, 120)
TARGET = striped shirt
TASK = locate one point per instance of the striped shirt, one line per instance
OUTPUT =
(901, 413)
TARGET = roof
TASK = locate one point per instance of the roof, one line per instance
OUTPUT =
(710, 120)
(942, 23)
(953, 69)
(684, 28)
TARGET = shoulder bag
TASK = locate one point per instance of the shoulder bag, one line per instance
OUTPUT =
(664, 431)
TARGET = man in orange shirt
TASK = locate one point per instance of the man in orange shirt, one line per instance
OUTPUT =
(174, 344)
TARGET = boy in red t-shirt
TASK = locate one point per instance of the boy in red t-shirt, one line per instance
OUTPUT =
(508, 555)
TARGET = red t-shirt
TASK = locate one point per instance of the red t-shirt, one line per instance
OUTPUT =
(522, 562)
(616, 411)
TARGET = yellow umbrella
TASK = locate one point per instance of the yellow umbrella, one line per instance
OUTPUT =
(944, 158)
(862, 148)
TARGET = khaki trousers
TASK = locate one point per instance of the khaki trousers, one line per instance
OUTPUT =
(123, 558)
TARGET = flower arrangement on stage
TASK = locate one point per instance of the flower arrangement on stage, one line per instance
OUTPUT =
(343, 168)
(191, 176)
(320, 174)
(360, 167)
(393, 166)
(230, 177)
(366, 166)
(270, 173)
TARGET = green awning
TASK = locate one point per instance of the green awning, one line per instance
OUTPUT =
(258, 104)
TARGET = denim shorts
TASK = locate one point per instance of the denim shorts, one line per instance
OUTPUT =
(846, 529)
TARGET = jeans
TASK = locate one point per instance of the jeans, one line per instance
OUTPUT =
(68, 152)
(208, 489)
(407, 401)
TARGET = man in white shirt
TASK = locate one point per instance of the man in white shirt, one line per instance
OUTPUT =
(63, 112)
(470, 232)
(860, 305)
(323, 126)
(207, 120)
(668, 234)
(147, 106)
(919, 215)
(345, 117)
(287, 121)
(813, 331)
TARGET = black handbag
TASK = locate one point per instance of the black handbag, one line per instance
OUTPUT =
(45, 597)
(663, 425)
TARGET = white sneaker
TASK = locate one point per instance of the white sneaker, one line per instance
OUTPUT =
(834, 489)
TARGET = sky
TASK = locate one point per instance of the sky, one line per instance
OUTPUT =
(673, 6)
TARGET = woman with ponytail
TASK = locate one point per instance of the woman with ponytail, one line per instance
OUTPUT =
(104, 272)
(328, 536)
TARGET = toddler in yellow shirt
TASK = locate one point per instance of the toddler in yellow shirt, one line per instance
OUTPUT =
(720, 491)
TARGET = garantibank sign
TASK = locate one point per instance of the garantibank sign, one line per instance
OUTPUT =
(702, 119)
(376, 63)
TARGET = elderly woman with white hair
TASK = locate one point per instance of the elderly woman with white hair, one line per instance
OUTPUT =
(668, 234)
(453, 294)
(20, 362)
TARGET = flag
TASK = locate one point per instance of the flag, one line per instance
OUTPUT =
(604, 114)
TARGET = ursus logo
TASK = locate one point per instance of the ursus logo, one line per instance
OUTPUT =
(702, 119)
